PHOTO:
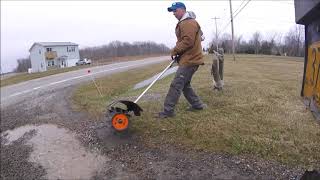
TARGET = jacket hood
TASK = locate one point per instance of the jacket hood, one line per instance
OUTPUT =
(188, 15)
(192, 15)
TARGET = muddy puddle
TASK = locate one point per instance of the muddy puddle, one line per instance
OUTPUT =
(58, 151)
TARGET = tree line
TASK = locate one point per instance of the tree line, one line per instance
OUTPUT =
(121, 49)
(290, 44)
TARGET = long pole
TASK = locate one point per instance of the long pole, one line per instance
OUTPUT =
(234, 58)
(169, 66)
(215, 18)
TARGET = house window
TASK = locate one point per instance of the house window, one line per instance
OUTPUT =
(39, 51)
(50, 63)
(49, 49)
(71, 49)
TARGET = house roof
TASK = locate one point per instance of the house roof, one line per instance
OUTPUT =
(46, 44)
(306, 11)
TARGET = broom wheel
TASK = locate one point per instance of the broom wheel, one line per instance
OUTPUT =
(120, 122)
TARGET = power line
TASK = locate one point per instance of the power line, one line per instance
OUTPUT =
(225, 16)
(242, 8)
(234, 16)
(239, 6)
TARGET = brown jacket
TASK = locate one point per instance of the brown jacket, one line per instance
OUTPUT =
(188, 44)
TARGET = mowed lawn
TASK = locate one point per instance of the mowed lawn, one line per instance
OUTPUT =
(259, 113)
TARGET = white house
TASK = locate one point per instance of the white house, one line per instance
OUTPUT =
(51, 55)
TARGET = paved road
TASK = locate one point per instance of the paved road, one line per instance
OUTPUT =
(12, 94)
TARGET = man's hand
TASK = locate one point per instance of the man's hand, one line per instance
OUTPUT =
(175, 58)
(173, 53)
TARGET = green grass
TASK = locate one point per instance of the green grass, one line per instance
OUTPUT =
(259, 113)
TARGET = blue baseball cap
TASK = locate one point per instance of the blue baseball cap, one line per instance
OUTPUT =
(175, 6)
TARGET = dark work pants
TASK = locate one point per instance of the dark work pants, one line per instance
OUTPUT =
(181, 83)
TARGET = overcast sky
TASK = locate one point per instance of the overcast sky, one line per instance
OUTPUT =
(94, 23)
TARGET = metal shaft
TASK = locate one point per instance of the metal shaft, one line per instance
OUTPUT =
(154, 81)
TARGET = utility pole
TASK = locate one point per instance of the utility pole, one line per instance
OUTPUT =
(234, 58)
(215, 18)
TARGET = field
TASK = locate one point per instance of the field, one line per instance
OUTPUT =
(259, 113)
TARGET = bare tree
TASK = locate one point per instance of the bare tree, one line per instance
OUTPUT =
(226, 42)
(23, 65)
(293, 41)
(291, 44)
(278, 44)
(256, 40)
(238, 43)
(271, 38)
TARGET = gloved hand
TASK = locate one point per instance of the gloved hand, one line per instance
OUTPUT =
(176, 58)
(173, 53)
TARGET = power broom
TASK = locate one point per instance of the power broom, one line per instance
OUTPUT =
(120, 116)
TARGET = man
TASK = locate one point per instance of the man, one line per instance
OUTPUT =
(217, 69)
(188, 49)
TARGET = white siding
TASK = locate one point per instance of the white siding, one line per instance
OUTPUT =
(37, 59)
(71, 62)
(62, 51)
(72, 56)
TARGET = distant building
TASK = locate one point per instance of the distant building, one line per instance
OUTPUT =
(52, 55)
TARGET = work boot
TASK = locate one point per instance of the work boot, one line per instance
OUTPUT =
(163, 115)
(202, 107)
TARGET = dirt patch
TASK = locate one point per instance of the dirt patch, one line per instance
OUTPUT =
(168, 162)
